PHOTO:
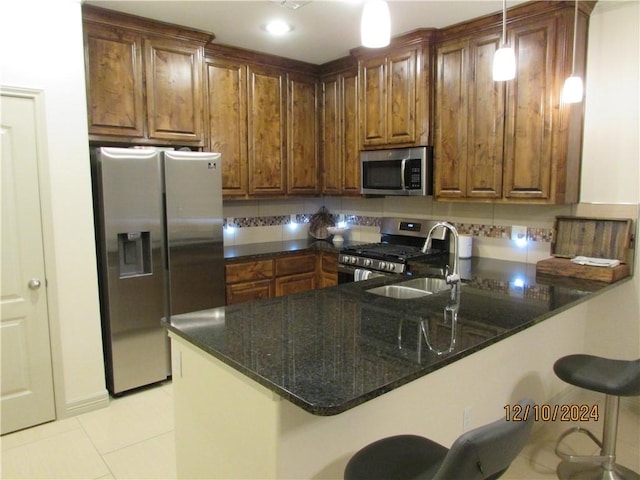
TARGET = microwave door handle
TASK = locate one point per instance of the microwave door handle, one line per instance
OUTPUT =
(402, 173)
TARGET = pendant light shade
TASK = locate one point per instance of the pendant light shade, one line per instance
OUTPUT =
(504, 60)
(573, 90)
(375, 27)
(504, 64)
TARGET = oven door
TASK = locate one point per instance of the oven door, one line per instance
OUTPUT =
(348, 274)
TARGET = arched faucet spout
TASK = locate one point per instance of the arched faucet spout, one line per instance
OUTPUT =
(452, 278)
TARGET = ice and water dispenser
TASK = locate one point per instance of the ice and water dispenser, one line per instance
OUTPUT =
(134, 251)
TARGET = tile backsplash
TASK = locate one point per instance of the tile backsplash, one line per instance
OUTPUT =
(257, 221)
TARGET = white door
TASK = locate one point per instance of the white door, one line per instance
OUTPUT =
(26, 384)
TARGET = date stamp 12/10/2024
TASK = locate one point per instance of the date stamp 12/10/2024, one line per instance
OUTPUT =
(551, 413)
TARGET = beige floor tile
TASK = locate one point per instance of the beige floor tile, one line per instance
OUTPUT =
(525, 469)
(130, 419)
(39, 432)
(153, 458)
(64, 456)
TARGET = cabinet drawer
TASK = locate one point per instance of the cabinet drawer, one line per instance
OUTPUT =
(295, 264)
(249, 291)
(302, 282)
(247, 271)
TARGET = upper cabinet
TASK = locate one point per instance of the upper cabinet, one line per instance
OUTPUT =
(144, 80)
(340, 130)
(264, 119)
(395, 86)
(513, 141)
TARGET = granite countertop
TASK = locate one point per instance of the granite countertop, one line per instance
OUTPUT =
(255, 250)
(332, 349)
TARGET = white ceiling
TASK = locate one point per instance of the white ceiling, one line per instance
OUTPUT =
(323, 30)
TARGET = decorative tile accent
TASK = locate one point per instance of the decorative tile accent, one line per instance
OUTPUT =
(542, 235)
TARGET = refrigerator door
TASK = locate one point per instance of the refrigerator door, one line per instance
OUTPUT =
(128, 208)
(193, 189)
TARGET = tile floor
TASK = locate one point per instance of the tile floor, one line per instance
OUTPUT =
(133, 438)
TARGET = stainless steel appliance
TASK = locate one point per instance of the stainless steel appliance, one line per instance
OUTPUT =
(160, 252)
(401, 242)
(400, 171)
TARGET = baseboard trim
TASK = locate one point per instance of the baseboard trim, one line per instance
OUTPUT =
(92, 402)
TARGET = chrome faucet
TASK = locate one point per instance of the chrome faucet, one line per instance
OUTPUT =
(452, 278)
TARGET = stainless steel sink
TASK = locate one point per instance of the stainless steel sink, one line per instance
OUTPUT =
(416, 288)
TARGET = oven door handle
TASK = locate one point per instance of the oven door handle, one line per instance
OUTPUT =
(403, 166)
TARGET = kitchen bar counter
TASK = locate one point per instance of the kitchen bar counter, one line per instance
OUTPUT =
(291, 387)
(332, 349)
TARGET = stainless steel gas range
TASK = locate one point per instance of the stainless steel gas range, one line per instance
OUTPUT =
(402, 241)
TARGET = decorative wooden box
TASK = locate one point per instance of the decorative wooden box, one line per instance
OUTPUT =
(589, 237)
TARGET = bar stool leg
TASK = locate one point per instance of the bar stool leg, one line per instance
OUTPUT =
(608, 469)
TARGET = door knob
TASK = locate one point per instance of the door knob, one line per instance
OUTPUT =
(34, 284)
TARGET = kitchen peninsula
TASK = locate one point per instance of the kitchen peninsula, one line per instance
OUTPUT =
(290, 387)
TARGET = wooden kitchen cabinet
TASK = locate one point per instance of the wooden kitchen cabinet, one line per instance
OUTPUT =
(279, 274)
(395, 95)
(340, 133)
(264, 119)
(113, 63)
(227, 127)
(302, 134)
(144, 80)
(295, 274)
(175, 100)
(327, 269)
(266, 131)
(249, 280)
(509, 142)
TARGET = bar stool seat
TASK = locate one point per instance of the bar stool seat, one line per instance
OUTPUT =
(483, 453)
(614, 378)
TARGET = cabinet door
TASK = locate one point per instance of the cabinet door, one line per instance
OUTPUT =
(485, 130)
(331, 136)
(227, 93)
(302, 282)
(373, 102)
(266, 131)
(350, 130)
(302, 135)
(451, 122)
(529, 122)
(248, 271)
(401, 97)
(174, 90)
(249, 291)
(113, 62)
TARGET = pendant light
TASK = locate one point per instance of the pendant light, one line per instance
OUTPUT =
(504, 60)
(375, 27)
(572, 91)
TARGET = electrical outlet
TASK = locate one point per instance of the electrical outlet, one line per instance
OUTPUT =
(466, 419)
(519, 232)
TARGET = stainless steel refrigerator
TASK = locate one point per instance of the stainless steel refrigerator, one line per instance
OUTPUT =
(160, 252)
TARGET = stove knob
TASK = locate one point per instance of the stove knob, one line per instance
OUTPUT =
(367, 262)
(354, 260)
(382, 265)
(391, 267)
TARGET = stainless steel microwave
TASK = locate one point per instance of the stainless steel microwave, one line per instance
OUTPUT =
(399, 171)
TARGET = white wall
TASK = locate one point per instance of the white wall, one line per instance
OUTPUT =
(42, 48)
(611, 159)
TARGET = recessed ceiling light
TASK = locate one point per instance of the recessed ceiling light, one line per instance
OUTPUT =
(278, 27)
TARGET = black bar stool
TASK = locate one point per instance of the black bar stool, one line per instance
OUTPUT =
(614, 378)
(483, 453)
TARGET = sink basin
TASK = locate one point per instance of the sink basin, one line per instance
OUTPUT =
(416, 288)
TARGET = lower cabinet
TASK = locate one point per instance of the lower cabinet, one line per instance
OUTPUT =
(282, 274)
